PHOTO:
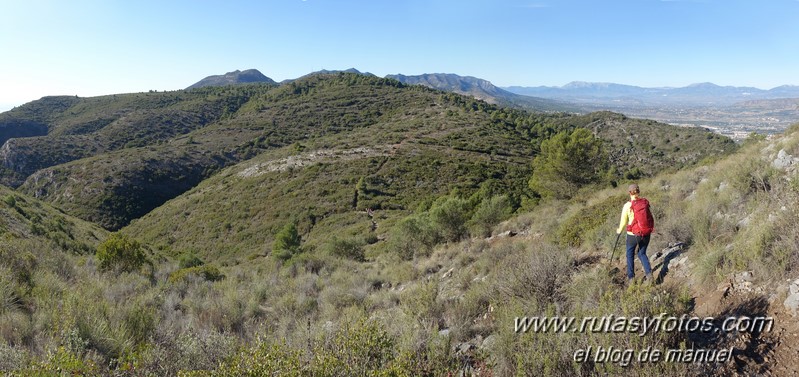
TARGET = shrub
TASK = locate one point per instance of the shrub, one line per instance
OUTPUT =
(139, 322)
(538, 274)
(287, 242)
(207, 272)
(264, 360)
(189, 260)
(121, 253)
(489, 213)
(15, 327)
(12, 358)
(361, 348)
(450, 217)
(421, 303)
(414, 235)
(347, 248)
(65, 363)
(574, 230)
(10, 201)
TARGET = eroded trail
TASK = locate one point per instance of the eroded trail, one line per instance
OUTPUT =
(763, 333)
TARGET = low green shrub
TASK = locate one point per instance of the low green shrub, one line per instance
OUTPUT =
(189, 260)
(413, 236)
(576, 229)
(350, 248)
(489, 213)
(450, 216)
(206, 271)
(119, 252)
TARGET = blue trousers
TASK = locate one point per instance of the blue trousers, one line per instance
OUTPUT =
(641, 243)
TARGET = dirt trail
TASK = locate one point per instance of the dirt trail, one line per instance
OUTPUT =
(768, 350)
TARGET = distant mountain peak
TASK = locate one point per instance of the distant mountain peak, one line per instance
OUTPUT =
(478, 88)
(703, 85)
(582, 84)
(329, 72)
(350, 70)
(233, 78)
(468, 85)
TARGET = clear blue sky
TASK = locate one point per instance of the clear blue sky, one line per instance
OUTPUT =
(95, 47)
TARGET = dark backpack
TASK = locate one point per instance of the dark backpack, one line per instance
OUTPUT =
(643, 222)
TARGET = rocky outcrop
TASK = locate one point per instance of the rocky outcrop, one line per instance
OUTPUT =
(784, 161)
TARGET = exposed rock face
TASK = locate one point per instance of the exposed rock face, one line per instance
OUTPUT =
(6, 155)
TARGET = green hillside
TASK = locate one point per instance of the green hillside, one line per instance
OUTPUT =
(247, 246)
(235, 213)
(77, 128)
(115, 158)
(447, 311)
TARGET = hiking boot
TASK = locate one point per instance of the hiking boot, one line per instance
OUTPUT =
(649, 279)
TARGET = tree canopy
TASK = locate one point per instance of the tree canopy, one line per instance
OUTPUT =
(568, 161)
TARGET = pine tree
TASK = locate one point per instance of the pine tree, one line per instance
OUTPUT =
(568, 161)
(287, 242)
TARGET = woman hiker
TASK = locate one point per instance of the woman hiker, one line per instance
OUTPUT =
(636, 219)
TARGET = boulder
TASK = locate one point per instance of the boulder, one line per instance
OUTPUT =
(784, 161)
(792, 304)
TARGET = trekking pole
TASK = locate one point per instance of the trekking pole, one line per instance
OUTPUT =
(613, 251)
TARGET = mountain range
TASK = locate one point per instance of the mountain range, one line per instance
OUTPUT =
(471, 86)
(732, 111)
(701, 94)
(568, 97)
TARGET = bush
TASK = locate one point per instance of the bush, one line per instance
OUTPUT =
(538, 274)
(207, 272)
(121, 253)
(489, 213)
(64, 363)
(591, 295)
(347, 248)
(10, 201)
(450, 217)
(265, 360)
(139, 322)
(576, 229)
(361, 348)
(12, 358)
(414, 235)
(287, 242)
(190, 260)
(421, 303)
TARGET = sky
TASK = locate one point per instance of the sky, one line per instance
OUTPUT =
(97, 47)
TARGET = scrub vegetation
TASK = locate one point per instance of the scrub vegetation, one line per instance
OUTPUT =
(350, 225)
